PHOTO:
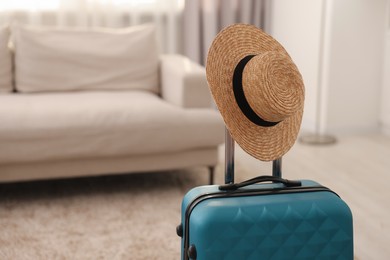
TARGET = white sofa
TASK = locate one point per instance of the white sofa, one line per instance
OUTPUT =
(77, 102)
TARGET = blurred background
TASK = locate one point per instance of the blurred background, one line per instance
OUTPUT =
(342, 48)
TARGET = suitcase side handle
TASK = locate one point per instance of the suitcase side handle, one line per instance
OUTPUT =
(265, 178)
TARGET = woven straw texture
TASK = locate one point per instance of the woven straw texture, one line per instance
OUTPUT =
(272, 85)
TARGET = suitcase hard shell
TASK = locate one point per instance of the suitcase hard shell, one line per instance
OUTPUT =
(266, 221)
(279, 220)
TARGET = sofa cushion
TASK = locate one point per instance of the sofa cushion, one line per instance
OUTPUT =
(50, 126)
(5, 62)
(54, 59)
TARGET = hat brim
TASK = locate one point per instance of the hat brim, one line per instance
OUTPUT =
(230, 46)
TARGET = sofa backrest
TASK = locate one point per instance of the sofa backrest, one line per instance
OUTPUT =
(64, 59)
(5, 61)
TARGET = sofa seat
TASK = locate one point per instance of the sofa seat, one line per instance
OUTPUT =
(92, 124)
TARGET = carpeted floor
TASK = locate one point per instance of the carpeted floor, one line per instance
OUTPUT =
(114, 217)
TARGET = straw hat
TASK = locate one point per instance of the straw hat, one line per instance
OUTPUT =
(258, 90)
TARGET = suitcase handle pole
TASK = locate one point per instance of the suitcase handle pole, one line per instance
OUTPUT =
(229, 160)
(229, 157)
(277, 168)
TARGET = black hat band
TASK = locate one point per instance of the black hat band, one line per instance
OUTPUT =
(241, 100)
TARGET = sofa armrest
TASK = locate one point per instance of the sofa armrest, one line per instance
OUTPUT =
(183, 82)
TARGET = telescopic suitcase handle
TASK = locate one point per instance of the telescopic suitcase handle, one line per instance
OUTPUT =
(229, 157)
(229, 160)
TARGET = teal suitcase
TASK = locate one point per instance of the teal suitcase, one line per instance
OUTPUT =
(266, 217)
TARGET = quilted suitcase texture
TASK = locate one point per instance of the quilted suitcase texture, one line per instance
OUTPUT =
(256, 219)
(266, 221)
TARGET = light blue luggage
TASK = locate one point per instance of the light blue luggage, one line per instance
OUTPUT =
(256, 220)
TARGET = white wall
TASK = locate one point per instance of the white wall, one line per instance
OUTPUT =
(338, 47)
(355, 65)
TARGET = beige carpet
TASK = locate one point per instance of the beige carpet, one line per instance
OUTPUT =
(114, 217)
